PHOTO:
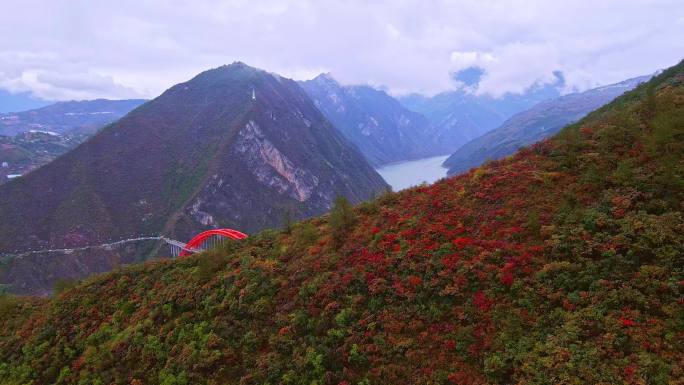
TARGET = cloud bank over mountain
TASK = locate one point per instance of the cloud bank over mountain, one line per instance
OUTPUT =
(408, 46)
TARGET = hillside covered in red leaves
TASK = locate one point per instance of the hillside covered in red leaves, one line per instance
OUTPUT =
(561, 264)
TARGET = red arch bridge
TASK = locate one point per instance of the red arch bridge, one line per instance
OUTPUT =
(203, 241)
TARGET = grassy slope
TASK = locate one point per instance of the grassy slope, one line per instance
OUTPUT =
(561, 264)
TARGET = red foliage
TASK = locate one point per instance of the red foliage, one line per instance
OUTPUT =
(399, 289)
(77, 364)
(629, 371)
(462, 242)
(346, 278)
(450, 261)
(567, 305)
(414, 281)
(628, 323)
(481, 301)
(506, 278)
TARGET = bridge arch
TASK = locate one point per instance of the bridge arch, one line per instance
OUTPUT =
(196, 242)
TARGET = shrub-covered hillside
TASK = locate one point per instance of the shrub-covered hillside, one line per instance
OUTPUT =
(561, 264)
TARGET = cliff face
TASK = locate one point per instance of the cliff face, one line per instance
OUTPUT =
(234, 147)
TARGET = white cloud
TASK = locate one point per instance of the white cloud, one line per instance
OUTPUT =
(465, 59)
(533, 63)
(128, 48)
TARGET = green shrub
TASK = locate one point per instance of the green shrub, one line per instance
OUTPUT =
(341, 220)
(62, 285)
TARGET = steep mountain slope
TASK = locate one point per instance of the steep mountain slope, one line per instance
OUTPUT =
(535, 124)
(459, 116)
(561, 264)
(74, 117)
(376, 123)
(201, 155)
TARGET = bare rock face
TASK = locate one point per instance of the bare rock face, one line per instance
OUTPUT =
(233, 147)
(271, 167)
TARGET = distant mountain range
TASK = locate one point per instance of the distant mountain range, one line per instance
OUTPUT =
(82, 117)
(204, 154)
(383, 129)
(27, 151)
(33, 138)
(459, 116)
(11, 102)
(537, 123)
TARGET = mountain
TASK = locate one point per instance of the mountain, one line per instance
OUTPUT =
(74, 117)
(29, 150)
(561, 264)
(461, 115)
(31, 139)
(382, 129)
(535, 124)
(10, 102)
(204, 154)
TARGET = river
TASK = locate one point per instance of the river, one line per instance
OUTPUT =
(413, 172)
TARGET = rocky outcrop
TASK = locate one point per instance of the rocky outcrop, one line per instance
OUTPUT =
(271, 167)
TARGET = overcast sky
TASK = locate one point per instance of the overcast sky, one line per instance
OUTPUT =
(81, 49)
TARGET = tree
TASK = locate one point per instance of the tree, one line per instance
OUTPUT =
(288, 214)
(342, 218)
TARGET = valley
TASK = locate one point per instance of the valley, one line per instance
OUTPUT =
(365, 117)
(561, 263)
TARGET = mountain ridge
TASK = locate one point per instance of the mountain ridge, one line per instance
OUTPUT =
(461, 115)
(209, 104)
(529, 126)
(68, 117)
(43, 134)
(380, 127)
(204, 154)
